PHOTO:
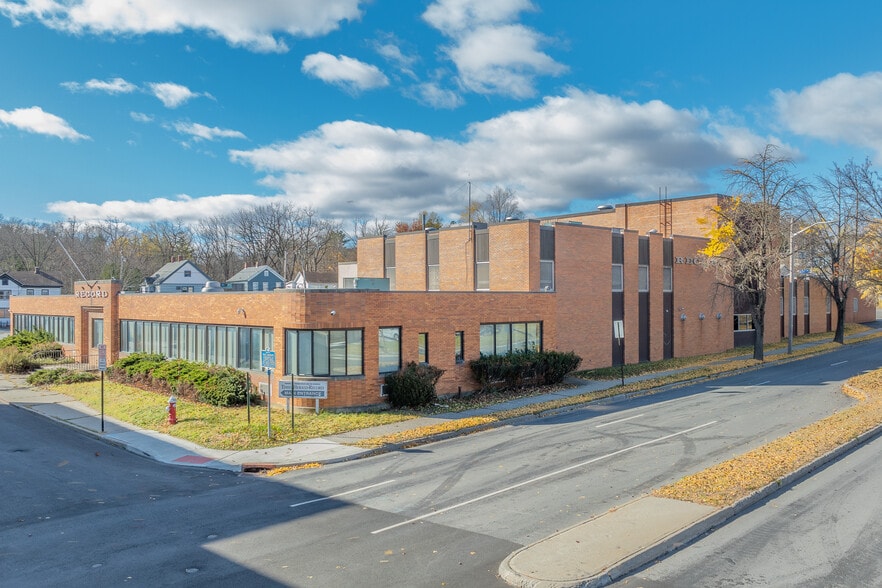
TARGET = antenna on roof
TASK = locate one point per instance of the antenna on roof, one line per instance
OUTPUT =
(63, 248)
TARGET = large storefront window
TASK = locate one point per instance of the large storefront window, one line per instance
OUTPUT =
(504, 338)
(324, 353)
(237, 347)
(61, 327)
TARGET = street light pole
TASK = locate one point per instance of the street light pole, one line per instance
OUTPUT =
(790, 303)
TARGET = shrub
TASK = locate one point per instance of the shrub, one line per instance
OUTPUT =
(15, 361)
(217, 385)
(47, 352)
(26, 340)
(522, 368)
(47, 377)
(413, 386)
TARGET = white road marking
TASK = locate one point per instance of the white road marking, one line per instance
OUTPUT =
(636, 416)
(539, 478)
(760, 384)
(838, 363)
(341, 494)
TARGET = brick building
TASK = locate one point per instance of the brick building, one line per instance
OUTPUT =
(566, 283)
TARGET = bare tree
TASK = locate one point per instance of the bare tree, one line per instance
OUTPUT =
(832, 227)
(168, 240)
(215, 247)
(501, 205)
(749, 239)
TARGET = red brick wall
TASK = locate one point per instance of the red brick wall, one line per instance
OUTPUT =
(456, 252)
(514, 252)
(371, 258)
(410, 261)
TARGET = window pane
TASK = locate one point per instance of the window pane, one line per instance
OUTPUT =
(320, 353)
(643, 278)
(458, 347)
(434, 278)
(503, 338)
(534, 336)
(353, 353)
(390, 349)
(338, 353)
(304, 353)
(487, 345)
(423, 348)
(546, 276)
(482, 276)
(618, 281)
(519, 337)
(256, 347)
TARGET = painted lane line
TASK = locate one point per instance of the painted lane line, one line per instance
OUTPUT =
(600, 426)
(838, 363)
(760, 384)
(341, 494)
(539, 478)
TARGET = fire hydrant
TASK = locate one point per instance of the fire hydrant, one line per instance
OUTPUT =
(172, 410)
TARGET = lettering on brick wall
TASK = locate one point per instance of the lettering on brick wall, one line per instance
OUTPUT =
(688, 260)
(91, 294)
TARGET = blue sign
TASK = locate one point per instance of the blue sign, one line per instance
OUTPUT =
(267, 359)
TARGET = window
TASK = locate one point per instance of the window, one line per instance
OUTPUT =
(743, 322)
(187, 273)
(423, 348)
(4, 294)
(458, 354)
(61, 327)
(643, 278)
(324, 353)
(504, 338)
(389, 254)
(97, 332)
(349, 282)
(390, 349)
(618, 279)
(482, 259)
(855, 305)
(829, 304)
(44, 292)
(433, 263)
(265, 273)
(546, 259)
(29, 292)
(668, 278)
(5, 281)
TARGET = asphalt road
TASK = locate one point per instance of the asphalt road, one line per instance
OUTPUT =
(824, 531)
(79, 512)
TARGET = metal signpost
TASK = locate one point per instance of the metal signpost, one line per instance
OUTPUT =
(268, 363)
(619, 334)
(303, 389)
(102, 367)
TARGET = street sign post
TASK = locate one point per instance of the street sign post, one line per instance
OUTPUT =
(619, 335)
(268, 363)
(102, 367)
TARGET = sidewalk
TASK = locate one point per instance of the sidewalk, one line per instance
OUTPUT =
(592, 553)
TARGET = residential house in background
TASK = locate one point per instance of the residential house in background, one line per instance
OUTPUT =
(314, 281)
(260, 278)
(25, 283)
(176, 276)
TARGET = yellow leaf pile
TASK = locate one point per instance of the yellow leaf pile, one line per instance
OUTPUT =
(728, 482)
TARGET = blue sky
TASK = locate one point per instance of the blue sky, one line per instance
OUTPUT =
(145, 110)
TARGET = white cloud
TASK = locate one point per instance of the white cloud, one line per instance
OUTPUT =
(577, 146)
(344, 71)
(170, 94)
(492, 53)
(184, 208)
(502, 60)
(435, 96)
(454, 16)
(253, 25)
(844, 108)
(36, 120)
(141, 117)
(201, 132)
(113, 86)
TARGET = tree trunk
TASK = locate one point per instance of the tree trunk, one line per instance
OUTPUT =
(758, 348)
(839, 336)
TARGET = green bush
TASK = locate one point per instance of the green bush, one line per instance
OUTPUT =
(47, 352)
(26, 340)
(15, 361)
(47, 377)
(217, 385)
(413, 386)
(523, 368)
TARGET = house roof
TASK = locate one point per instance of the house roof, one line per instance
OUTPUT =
(321, 277)
(166, 271)
(246, 274)
(33, 279)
